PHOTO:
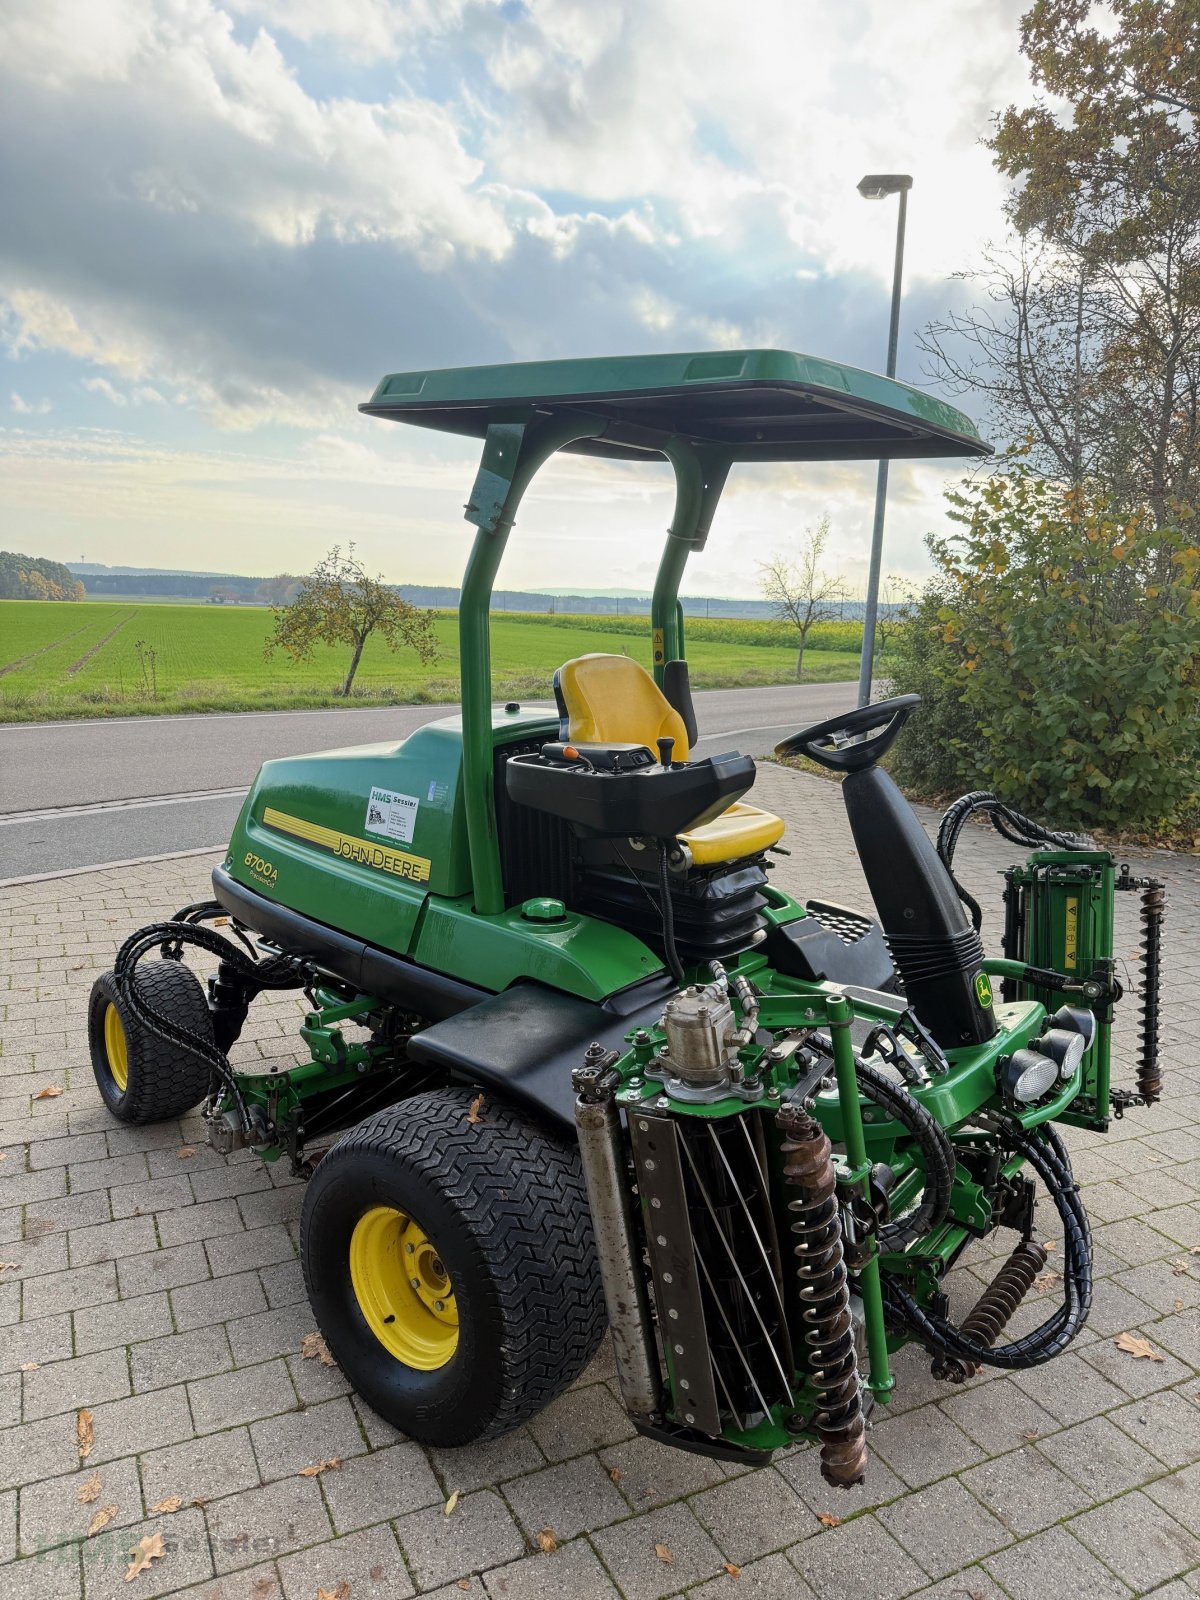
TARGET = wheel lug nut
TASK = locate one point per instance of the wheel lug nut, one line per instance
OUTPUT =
(409, 1248)
(439, 1305)
(416, 1282)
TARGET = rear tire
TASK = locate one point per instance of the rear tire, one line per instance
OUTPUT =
(141, 1077)
(451, 1265)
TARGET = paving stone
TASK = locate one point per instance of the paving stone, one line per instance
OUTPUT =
(1069, 1389)
(923, 1445)
(572, 1569)
(1053, 1566)
(999, 1415)
(652, 1473)
(67, 1291)
(37, 1450)
(370, 1563)
(156, 1197)
(52, 1575)
(1025, 1490)
(124, 1427)
(200, 1469)
(192, 1223)
(252, 1248)
(260, 1524)
(803, 1471)
(1138, 1540)
(47, 1339)
(187, 1558)
(386, 1483)
(269, 1333)
(283, 1284)
(1138, 1377)
(123, 1322)
(629, 1551)
(1179, 1495)
(155, 1363)
(858, 1558)
(492, 1461)
(252, 1583)
(241, 1396)
(572, 1497)
(479, 1534)
(227, 1182)
(38, 1256)
(67, 1385)
(944, 1527)
(8, 1525)
(315, 1382)
(163, 1269)
(579, 1421)
(1167, 1424)
(772, 1578)
(106, 1174)
(232, 1299)
(971, 1584)
(111, 1241)
(299, 1439)
(754, 1514)
(1101, 1458)
(52, 1512)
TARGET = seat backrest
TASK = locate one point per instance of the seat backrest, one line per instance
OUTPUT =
(611, 700)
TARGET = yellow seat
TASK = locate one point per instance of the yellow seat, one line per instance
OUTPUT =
(611, 700)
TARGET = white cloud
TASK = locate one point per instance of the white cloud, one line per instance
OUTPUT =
(101, 386)
(29, 408)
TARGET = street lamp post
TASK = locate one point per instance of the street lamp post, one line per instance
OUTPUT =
(877, 186)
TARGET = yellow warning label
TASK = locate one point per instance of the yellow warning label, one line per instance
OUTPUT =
(1071, 939)
(659, 647)
(349, 848)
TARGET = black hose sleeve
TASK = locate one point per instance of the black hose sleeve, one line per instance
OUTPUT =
(667, 910)
(936, 1151)
(1048, 1158)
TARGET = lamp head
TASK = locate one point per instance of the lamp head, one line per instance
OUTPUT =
(878, 185)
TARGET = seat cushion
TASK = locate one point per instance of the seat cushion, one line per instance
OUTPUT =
(743, 830)
(608, 699)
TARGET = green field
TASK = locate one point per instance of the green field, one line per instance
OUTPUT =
(83, 659)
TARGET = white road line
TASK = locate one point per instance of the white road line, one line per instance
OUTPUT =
(736, 733)
(445, 708)
(108, 866)
(101, 807)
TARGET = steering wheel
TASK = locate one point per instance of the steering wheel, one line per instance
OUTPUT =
(854, 740)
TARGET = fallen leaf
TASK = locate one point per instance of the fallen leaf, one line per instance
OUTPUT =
(30, 1366)
(1195, 1250)
(171, 1504)
(201, 1501)
(101, 1520)
(828, 1520)
(734, 1572)
(330, 1465)
(448, 1508)
(546, 1542)
(85, 1433)
(465, 1584)
(1179, 1305)
(313, 1347)
(665, 1554)
(338, 1592)
(9, 1266)
(3, 1155)
(615, 1474)
(474, 1109)
(147, 1550)
(89, 1491)
(1140, 1349)
(186, 1151)
(47, 1094)
(1047, 1281)
(1031, 1436)
(1049, 1246)
(1181, 1268)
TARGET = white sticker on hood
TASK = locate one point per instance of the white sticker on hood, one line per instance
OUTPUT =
(392, 815)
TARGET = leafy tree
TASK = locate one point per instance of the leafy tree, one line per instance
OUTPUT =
(340, 603)
(799, 589)
(280, 590)
(36, 578)
(1058, 651)
(1087, 339)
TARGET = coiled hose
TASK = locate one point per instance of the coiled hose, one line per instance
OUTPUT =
(1048, 1158)
(277, 972)
(936, 1151)
(1011, 824)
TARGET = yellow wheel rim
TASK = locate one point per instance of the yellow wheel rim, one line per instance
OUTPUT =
(403, 1289)
(115, 1048)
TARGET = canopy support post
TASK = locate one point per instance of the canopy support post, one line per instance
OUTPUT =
(700, 474)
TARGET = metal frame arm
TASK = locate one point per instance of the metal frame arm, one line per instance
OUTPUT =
(700, 474)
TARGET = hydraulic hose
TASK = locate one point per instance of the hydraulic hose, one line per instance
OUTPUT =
(1011, 824)
(1048, 1158)
(279, 972)
(667, 911)
(936, 1151)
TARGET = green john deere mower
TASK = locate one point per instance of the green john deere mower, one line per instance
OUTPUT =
(583, 1062)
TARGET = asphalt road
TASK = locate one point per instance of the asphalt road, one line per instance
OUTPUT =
(78, 794)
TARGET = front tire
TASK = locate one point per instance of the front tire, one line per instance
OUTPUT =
(451, 1265)
(141, 1077)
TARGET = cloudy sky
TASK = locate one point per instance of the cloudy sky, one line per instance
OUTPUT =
(224, 220)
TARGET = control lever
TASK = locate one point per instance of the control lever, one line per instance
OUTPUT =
(666, 746)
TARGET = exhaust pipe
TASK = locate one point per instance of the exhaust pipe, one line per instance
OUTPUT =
(598, 1124)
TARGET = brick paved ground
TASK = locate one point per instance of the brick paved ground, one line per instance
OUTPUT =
(162, 1292)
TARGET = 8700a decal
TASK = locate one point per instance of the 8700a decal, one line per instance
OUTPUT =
(260, 868)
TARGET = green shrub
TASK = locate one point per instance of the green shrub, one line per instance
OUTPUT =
(1058, 652)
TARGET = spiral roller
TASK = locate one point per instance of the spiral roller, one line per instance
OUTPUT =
(1149, 1077)
(991, 1312)
(827, 1341)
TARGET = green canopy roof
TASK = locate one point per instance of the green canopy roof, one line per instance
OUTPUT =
(764, 405)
